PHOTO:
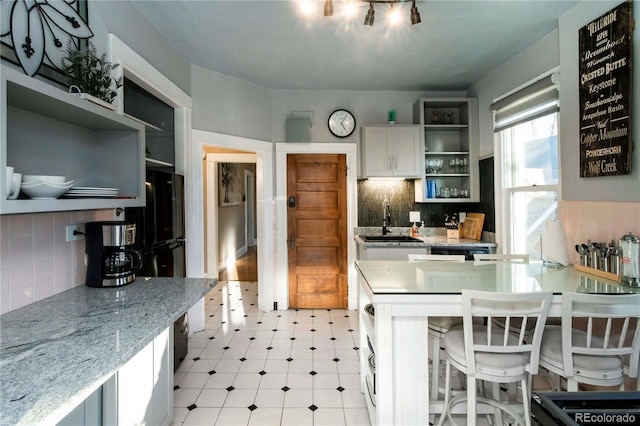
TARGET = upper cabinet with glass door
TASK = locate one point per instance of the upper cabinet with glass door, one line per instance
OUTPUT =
(46, 131)
(450, 130)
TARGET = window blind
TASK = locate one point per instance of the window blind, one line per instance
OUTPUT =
(538, 99)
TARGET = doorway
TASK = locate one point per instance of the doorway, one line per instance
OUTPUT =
(317, 230)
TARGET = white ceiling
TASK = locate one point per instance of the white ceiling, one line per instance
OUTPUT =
(271, 44)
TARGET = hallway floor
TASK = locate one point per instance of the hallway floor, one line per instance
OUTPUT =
(296, 367)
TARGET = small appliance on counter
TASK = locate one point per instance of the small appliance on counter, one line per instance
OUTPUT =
(630, 254)
(111, 258)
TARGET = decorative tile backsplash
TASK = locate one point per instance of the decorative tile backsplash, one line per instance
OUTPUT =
(36, 261)
(598, 221)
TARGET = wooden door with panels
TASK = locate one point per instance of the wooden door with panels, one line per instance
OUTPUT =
(317, 230)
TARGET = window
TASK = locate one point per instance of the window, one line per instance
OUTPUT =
(526, 127)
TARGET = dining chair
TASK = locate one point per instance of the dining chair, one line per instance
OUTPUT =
(493, 354)
(438, 326)
(595, 355)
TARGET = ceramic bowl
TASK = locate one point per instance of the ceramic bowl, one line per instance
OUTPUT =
(56, 185)
(42, 178)
(44, 191)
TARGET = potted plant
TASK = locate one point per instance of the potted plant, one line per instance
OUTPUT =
(89, 76)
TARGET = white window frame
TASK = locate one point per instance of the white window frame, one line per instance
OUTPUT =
(503, 194)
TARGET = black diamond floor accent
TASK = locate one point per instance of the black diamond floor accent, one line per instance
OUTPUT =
(313, 316)
(176, 387)
(333, 338)
(336, 359)
(237, 329)
(355, 348)
(259, 322)
(292, 338)
(211, 338)
(351, 330)
(346, 316)
(295, 322)
(328, 310)
(313, 407)
(286, 388)
(269, 348)
(232, 310)
(246, 315)
(243, 359)
(223, 322)
(230, 388)
(279, 316)
(313, 373)
(192, 407)
(330, 322)
(275, 329)
(211, 316)
(197, 358)
(312, 348)
(289, 359)
(225, 348)
(252, 407)
(212, 372)
(253, 304)
(252, 338)
(262, 373)
(313, 329)
(340, 389)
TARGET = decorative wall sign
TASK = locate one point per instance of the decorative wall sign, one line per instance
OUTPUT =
(229, 185)
(605, 93)
(34, 34)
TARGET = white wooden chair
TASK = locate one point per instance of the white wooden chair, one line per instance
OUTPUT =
(438, 326)
(594, 356)
(493, 354)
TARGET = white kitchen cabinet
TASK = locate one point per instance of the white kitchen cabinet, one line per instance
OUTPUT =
(449, 129)
(388, 253)
(141, 392)
(391, 151)
(46, 131)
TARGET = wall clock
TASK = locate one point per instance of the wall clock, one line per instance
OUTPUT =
(341, 123)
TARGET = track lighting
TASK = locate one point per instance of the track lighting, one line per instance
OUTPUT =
(328, 8)
(415, 15)
(368, 19)
(370, 16)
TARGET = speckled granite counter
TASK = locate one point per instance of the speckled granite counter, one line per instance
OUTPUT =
(436, 240)
(56, 352)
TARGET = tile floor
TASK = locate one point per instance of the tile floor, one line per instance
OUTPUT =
(296, 367)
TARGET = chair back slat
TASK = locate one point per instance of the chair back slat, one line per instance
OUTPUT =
(609, 330)
(511, 307)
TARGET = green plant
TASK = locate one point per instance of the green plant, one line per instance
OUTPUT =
(90, 73)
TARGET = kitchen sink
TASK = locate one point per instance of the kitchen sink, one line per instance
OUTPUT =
(390, 238)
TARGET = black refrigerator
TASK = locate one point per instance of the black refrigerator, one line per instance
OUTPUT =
(160, 225)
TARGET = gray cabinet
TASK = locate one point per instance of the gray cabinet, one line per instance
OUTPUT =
(449, 129)
(390, 151)
(46, 131)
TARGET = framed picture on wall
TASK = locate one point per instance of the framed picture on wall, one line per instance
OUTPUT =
(35, 34)
(229, 185)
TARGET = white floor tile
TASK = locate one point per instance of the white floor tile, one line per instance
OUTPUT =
(193, 380)
(273, 381)
(276, 366)
(328, 417)
(179, 415)
(300, 365)
(300, 381)
(228, 366)
(247, 381)
(220, 380)
(266, 416)
(356, 417)
(233, 416)
(202, 416)
(212, 398)
(203, 365)
(325, 381)
(327, 398)
(240, 398)
(297, 417)
(352, 398)
(348, 366)
(273, 398)
(298, 398)
(185, 397)
(350, 381)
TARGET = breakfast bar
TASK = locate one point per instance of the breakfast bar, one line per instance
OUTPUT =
(404, 294)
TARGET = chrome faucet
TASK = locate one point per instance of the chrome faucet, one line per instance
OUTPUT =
(386, 216)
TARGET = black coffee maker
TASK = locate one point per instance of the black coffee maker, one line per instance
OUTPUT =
(111, 259)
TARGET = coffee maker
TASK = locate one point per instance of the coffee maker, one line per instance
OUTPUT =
(111, 258)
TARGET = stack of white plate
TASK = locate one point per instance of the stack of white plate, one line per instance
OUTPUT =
(42, 187)
(91, 192)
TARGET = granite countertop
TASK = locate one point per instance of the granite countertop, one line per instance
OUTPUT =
(435, 240)
(56, 352)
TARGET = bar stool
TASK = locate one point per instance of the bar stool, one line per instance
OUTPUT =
(595, 356)
(494, 354)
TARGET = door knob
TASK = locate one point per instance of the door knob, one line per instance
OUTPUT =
(292, 242)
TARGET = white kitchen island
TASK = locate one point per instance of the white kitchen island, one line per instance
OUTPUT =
(404, 294)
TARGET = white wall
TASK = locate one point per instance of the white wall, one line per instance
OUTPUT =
(606, 188)
(230, 106)
(368, 107)
(537, 59)
(124, 20)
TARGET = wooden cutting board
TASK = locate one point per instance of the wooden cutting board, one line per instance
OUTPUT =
(470, 228)
(480, 217)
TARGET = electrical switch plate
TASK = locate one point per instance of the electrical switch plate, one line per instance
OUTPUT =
(414, 216)
(462, 216)
(70, 236)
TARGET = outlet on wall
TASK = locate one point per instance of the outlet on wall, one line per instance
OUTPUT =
(72, 235)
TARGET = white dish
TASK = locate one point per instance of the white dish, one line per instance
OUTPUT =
(56, 185)
(42, 178)
(94, 188)
(44, 191)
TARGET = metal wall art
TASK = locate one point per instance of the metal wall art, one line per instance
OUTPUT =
(34, 34)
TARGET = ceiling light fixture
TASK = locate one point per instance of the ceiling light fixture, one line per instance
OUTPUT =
(368, 19)
(370, 16)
